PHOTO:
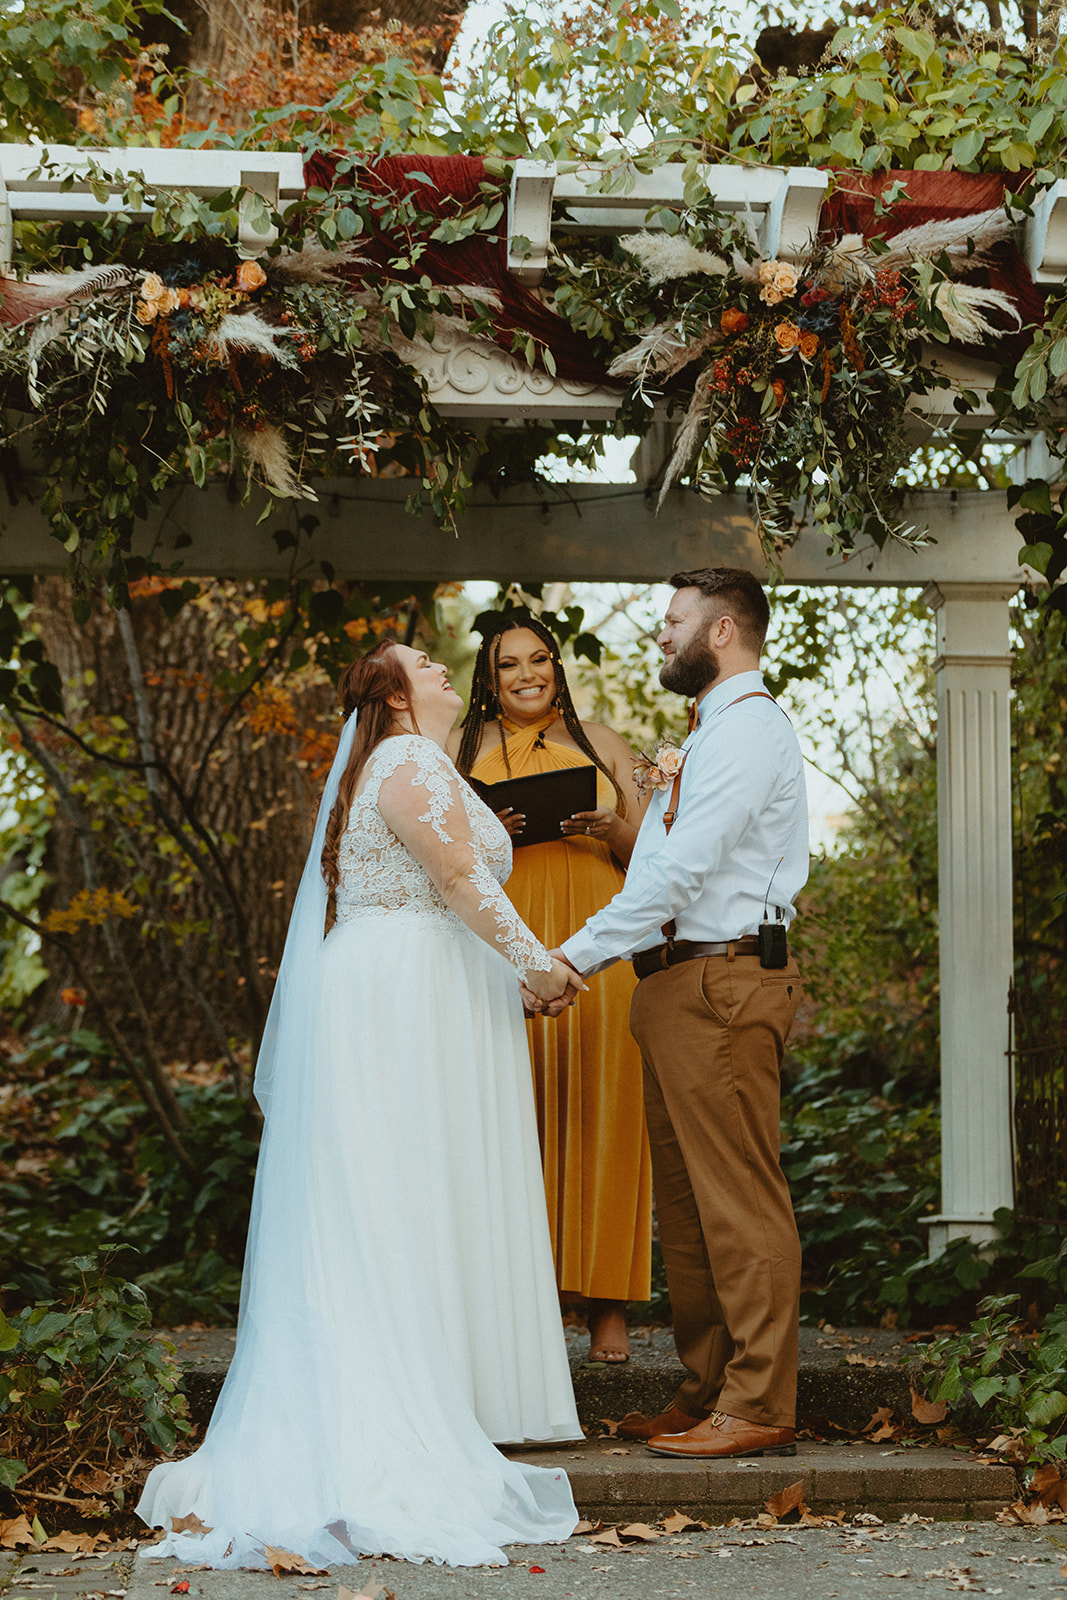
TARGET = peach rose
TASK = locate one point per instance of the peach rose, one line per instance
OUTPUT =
(669, 759)
(787, 336)
(250, 275)
(151, 286)
(168, 301)
(733, 320)
(778, 279)
(145, 311)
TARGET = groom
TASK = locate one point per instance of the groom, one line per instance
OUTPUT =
(719, 857)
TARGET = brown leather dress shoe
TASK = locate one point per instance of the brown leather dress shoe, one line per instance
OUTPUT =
(722, 1436)
(636, 1426)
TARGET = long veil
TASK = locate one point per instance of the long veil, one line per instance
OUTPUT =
(290, 1020)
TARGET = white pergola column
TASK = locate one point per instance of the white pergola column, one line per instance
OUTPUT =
(974, 825)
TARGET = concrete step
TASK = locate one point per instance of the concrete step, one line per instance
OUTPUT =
(615, 1485)
(845, 1375)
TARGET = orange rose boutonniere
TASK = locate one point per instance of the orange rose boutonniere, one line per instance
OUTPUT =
(659, 771)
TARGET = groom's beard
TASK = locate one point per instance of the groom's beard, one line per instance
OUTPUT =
(691, 669)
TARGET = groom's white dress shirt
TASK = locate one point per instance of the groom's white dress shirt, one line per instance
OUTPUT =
(742, 814)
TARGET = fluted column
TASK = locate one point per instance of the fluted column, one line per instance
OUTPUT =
(974, 824)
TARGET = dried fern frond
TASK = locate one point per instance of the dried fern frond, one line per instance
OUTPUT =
(962, 306)
(663, 351)
(663, 256)
(951, 238)
(24, 298)
(248, 331)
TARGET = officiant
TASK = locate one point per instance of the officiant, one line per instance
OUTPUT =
(587, 1071)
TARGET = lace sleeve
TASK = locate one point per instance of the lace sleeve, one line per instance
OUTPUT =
(422, 803)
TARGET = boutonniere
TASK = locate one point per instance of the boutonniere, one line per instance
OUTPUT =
(659, 771)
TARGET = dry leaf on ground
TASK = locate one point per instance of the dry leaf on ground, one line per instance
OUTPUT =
(74, 1541)
(609, 1537)
(678, 1522)
(786, 1500)
(1029, 1516)
(585, 1527)
(281, 1561)
(373, 1589)
(641, 1532)
(611, 1428)
(856, 1360)
(618, 1452)
(15, 1531)
(188, 1524)
(927, 1411)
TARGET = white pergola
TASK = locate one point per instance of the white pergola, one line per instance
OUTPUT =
(598, 532)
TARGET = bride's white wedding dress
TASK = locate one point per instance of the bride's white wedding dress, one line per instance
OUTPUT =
(399, 1310)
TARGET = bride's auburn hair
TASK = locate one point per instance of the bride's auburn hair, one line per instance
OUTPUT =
(365, 687)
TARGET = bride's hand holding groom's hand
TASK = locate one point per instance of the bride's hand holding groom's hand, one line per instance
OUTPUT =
(553, 991)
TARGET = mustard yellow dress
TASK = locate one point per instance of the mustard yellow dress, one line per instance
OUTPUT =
(586, 1067)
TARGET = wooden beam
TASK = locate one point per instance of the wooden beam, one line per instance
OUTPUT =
(588, 532)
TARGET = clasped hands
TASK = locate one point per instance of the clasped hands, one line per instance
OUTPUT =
(553, 991)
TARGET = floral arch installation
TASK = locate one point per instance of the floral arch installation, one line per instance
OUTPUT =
(360, 336)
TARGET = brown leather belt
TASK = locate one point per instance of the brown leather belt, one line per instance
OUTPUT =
(668, 955)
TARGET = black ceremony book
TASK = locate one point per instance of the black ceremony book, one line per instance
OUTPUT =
(544, 798)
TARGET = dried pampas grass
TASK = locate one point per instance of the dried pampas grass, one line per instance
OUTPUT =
(313, 263)
(952, 238)
(691, 434)
(962, 305)
(663, 256)
(247, 331)
(267, 454)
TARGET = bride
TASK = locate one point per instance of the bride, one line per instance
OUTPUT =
(398, 1315)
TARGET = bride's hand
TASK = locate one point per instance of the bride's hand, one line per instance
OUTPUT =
(560, 982)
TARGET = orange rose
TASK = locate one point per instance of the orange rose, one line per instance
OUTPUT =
(778, 387)
(787, 336)
(250, 275)
(809, 343)
(733, 320)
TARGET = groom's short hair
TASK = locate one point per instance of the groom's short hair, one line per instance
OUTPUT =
(735, 592)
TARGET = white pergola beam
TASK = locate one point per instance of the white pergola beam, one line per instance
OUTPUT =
(1045, 235)
(576, 533)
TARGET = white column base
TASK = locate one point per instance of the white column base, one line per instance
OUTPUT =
(944, 1230)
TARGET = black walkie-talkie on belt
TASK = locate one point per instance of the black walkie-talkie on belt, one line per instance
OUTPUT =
(773, 943)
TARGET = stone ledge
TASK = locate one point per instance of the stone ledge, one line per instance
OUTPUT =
(929, 1482)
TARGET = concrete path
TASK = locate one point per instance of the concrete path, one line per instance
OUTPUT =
(914, 1560)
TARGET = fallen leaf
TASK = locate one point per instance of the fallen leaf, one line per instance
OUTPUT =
(281, 1561)
(786, 1500)
(373, 1589)
(15, 1531)
(188, 1524)
(905, 1572)
(609, 1537)
(879, 1419)
(855, 1360)
(323, 1583)
(71, 1542)
(585, 1527)
(678, 1522)
(640, 1532)
(868, 1519)
(1046, 1484)
(618, 1452)
(927, 1411)
(611, 1426)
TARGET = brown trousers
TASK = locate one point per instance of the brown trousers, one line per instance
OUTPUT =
(712, 1034)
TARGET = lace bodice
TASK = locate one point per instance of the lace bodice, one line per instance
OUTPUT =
(419, 841)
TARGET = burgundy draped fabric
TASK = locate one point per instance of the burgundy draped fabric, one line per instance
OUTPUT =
(940, 197)
(480, 260)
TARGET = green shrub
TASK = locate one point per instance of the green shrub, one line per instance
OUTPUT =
(997, 1375)
(84, 1388)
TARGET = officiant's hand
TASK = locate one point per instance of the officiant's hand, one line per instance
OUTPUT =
(514, 821)
(599, 824)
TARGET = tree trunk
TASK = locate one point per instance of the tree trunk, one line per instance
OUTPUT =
(209, 852)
